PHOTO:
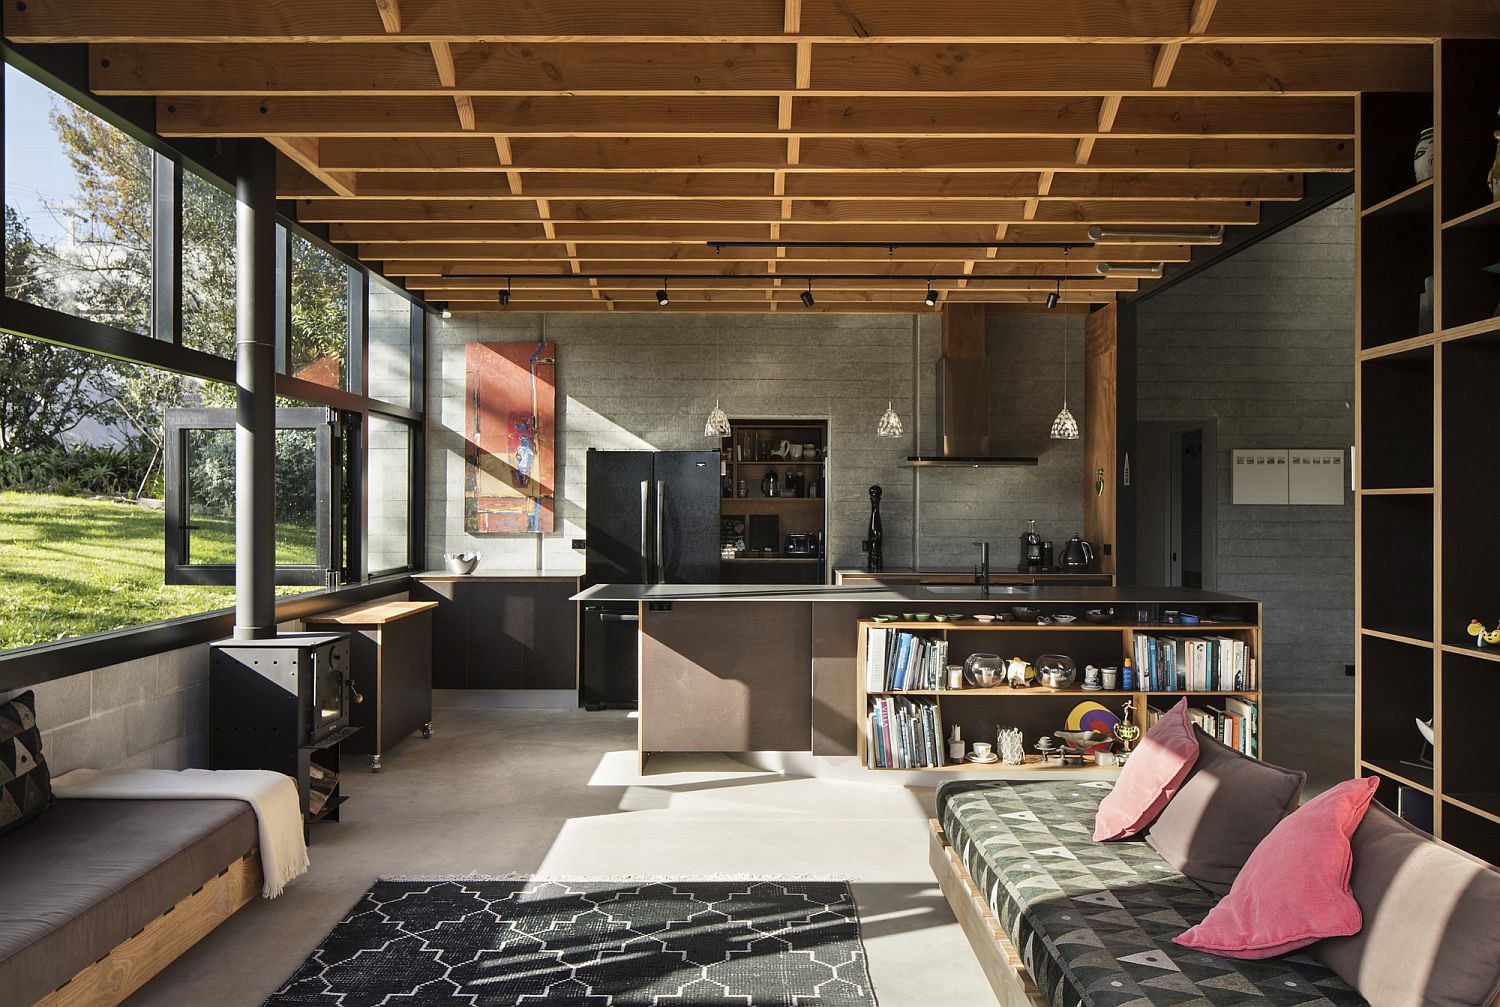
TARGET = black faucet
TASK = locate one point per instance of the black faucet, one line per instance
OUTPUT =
(982, 571)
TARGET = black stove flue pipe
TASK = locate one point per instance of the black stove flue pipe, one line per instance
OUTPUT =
(255, 380)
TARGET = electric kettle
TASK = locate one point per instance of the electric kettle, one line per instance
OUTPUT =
(1076, 555)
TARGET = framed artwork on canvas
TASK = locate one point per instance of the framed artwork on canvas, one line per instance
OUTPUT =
(510, 432)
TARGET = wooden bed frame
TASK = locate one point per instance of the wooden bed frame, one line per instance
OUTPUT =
(129, 966)
(1001, 963)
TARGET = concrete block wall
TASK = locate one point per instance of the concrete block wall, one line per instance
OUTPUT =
(1264, 344)
(648, 381)
(150, 713)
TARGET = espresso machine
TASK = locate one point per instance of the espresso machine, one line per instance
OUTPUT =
(1033, 558)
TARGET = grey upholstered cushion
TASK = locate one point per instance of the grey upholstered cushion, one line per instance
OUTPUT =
(1431, 933)
(1226, 806)
(25, 785)
(89, 874)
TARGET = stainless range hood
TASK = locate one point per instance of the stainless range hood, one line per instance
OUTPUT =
(963, 417)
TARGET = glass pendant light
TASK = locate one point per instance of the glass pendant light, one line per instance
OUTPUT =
(718, 420)
(1065, 427)
(890, 421)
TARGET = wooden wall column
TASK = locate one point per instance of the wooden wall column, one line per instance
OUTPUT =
(1101, 476)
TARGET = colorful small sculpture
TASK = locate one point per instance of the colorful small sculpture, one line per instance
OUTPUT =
(1484, 637)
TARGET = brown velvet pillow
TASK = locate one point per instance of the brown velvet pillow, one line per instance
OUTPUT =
(1225, 807)
(1430, 936)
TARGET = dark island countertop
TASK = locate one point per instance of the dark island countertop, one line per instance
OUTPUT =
(901, 594)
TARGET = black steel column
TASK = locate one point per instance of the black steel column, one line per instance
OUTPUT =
(255, 379)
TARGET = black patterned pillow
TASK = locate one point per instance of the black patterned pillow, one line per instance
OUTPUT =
(25, 784)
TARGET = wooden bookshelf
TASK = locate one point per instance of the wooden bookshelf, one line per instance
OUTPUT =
(1425, 549)
(1039, 710)
(746, 455)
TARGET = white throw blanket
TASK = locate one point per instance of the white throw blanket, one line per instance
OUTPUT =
(273, 797)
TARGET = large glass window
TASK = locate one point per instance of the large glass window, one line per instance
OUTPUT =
(318, 344)
(208, 256)
(77, 209)
(390, 320)
(81, 495)
(388, 501)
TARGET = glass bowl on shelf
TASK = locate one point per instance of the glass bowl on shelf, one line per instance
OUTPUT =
(984, 671)
(1057, 671)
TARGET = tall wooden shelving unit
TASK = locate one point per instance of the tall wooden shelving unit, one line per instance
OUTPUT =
(1427, 552)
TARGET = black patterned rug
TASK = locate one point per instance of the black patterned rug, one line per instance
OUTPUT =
(590, 944)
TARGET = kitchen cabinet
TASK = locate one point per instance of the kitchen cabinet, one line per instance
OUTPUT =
(502, 632)
(392, 668)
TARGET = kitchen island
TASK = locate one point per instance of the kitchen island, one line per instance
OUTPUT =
(762, 668)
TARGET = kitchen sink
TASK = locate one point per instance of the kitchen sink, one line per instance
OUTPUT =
(970, 590)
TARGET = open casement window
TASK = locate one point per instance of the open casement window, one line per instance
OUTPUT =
(200, 491)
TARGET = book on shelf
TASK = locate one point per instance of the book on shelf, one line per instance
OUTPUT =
(1236, 723)
(1193, 664)
(903, 733)
(897, 661)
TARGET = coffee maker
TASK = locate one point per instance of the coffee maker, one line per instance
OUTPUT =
(1033, 559)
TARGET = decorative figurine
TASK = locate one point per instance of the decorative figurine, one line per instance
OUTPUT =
(874, 561)
(1019, 674)
(1421, 161)
(1011, 745)
(1484, 637)
(1494, 175)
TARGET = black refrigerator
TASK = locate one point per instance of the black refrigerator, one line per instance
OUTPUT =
(651, 517)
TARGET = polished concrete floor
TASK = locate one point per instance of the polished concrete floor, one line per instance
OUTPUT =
(554, 792)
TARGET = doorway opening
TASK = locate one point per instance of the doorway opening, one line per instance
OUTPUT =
(1176, 516)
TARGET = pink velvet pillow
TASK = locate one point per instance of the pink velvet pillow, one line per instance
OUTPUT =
(1294, 889)
(1155, 770)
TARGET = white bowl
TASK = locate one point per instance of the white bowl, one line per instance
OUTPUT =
(461, 562)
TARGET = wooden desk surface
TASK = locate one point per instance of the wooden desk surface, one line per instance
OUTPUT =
(376, 613)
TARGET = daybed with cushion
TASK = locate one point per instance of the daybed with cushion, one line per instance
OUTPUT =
(1058, 919)
(97, 896)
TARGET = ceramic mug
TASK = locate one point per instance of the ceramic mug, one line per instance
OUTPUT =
(982, 749)
(1111, 678)
(794, 453)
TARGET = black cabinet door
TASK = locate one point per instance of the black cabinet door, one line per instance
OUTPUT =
(686, 494)
(450, 631)
(617, 517)
(522, 635)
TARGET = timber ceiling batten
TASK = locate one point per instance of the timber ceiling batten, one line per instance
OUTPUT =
(587, 148)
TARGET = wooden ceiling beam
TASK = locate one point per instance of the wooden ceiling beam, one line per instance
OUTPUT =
(750, 21)
(390, 15)
(303, 151)
(894, 213)
(779, 186)
(1164, 117)
(888, 157)
(604, 69)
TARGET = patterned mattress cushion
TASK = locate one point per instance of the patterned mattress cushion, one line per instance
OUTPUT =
(1094, 922)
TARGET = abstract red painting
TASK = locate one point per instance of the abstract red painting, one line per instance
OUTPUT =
(510, 430)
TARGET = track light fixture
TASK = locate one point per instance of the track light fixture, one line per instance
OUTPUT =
(931, 299)
(807, 296)
(1213, 235)
(444, 311)
(1053, 296)
(504, 295)
(661, 295)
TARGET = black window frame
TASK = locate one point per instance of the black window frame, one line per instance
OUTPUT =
(326, 425)
(64, 70)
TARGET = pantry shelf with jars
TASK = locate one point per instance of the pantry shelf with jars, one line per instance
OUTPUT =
(773, 513)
